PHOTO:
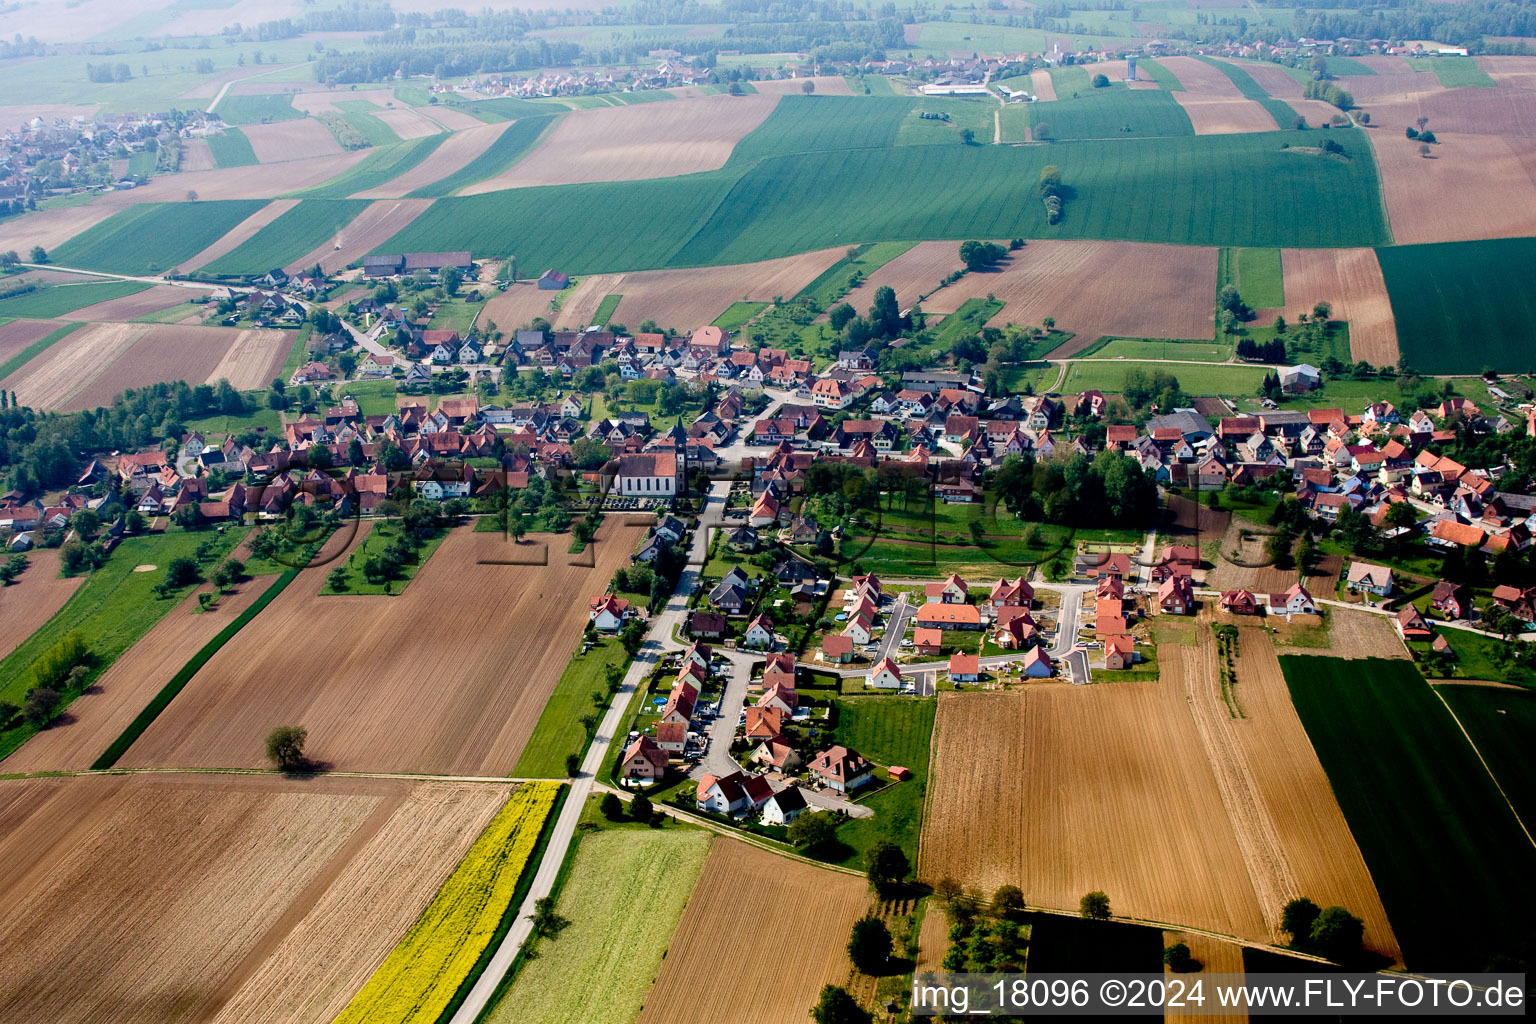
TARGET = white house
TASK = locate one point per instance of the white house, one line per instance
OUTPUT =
(721, 795)
(1295, 601)
(759, 633)
(858, 629)
(784, 806)
(830, 393)
(1371, 579)
(649, 475)
(571, 408)
(607, 612)
(885, 675)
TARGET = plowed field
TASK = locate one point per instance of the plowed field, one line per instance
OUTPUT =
(425, 681)
(197, 156)
(162, 900)
(1353, 634)
(131, 307)
(642, 140)
(1471, 186)
(685, 299)
(31, 601)
(1061, 790)
(520, 303)
(1350, 280)
(578, 308)
(1126, 289)
(18, 334)
(51, 228)
(456, 151)
(750, 899)
(291, 140)
(407, 123)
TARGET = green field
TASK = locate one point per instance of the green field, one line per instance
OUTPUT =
(737, 314)
(236, 109)
(51, 300)
(305, 227)
(372, 545)
(965, 322)
(359, 114)
(1455, 72)
(1501, 723)
(623, 897)
(113, 608)
(1440, 842)
(232, 149)
(35, 349)
(1101, 114)
(973, 112)
(1239, 189)
(1256, 273)
(507, 108)
(456, 315)
(1477, 657)
(509, 147)
(817, 124)
(605, 309)
(153, 237)
(1283, 113)
(889, 731)
(558, 731)
(1463, 306)
(1166, 80)
(1345, 66)
(1157, 349)
(1109, 377)
(832, 283)
(378, 167)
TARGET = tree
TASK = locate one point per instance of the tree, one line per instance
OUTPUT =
(967, 137)
(814, 829)
(451, 277)
(39, 254)
(1094, 906)
(572, 765)
(546, 922)
(86, 524)
(836, 1006)
(612, 807)
(640, 807)
(1008, 901)
(337, 578)
(1177, 957)
(9, 259)
(884, 314)
(839, 315)
(1424, 150)
(228, 573)
(1337, 933)
(947, 889)
(181, 572)
(1297, 918)
(1099, 81)
(885, 865)
(869, 947)
(285, 747)
(808, 87)
(41, 703)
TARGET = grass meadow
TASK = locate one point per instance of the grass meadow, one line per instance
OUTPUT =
(1461, 307)
(1166, 80)
(558, 731)
(1256, 273)
(1440, 842)
(301, 229)
(1157, 349)
(1215, 379)
(1101, 114)
(1456, 72)
(1501, 723)
(52, 300)
(153, 237)
(260, 109)
(232, 149)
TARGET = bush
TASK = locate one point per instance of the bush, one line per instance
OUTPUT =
(640, 807)
(869, 947)
(1177, 957)
(40, 705)
(1094, 906)
(612, 807)
(181, 572)
(1099, 81)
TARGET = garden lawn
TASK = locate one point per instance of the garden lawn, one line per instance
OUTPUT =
(457, 315)
(53, 300)
(623, 898)
(1109, 377)
(219, 423)
(1463, 306)
(1149, 348)
(382, 165)
(509, 147)
(153, 237)
(373, 545)
(1241, 189)
(1475, 659)
(374, 397)
(558, 731)
(113, 608)
(1440, 842)
(303, 228)
(232, 149)
(1501, 723)
(889, 731)
(965, 322)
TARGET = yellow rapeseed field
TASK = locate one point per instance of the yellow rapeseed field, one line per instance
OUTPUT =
(419, 978)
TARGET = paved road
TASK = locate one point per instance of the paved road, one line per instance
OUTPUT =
(901, 613)
(1065, 649)
(722, 730)
(658, 640)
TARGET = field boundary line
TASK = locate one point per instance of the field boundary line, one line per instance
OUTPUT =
(1495, 779)
(64, 773)
(179, 681)
(1381, 189)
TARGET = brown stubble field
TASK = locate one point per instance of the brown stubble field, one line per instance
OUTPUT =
(93, 364)
(1061, 790)
(131, 307)
(180, 898)
(1471, 187)
(454, 152)
(1215, 957)
(448, 677)
(643, 140)
(578, 308)
(33, 599)
(685, 299)
(378, 222)
(99, 716)
(1350, 280)
(1125, 289)
(50, 228)
(196, 155)
(300, 139)
(519, 304)
(1357, 634)
(258, 181)
(18, 334)
(1212, 101)
(807, 938)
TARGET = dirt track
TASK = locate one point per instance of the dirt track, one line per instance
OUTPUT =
(156, 900)
(31, 601)
(749, 899)
(1350, 281)
(387, 691)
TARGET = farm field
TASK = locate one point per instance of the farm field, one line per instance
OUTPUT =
(98, 361)
(1450, 196)
(32, 600)
(1091, 288)
(1235, 190)
(98, 717)
(258, 181)
(1462, 306)
(685, 299)
(1204, 74)
(1350, 280)
(653, 140)
(51, 228)
(1221, 98)
(55, 300)
(153, 237)
(240, 234)
(579, 306)
(1257, 274)
(509, 145)
(378, 167)
(159, 900)
(1442, 849)
(809, 936)
(1499, 721)
(452, 155)
(625, 893)
(21, 340)
(297, 231)
(518, 305)
(559, 730)
(459, 699)
(354, 239)
(1180, 351)
(232, 149)
(1061, 790)
(144, 303)
(290, 140)
(1100, 114)
(258, 109)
